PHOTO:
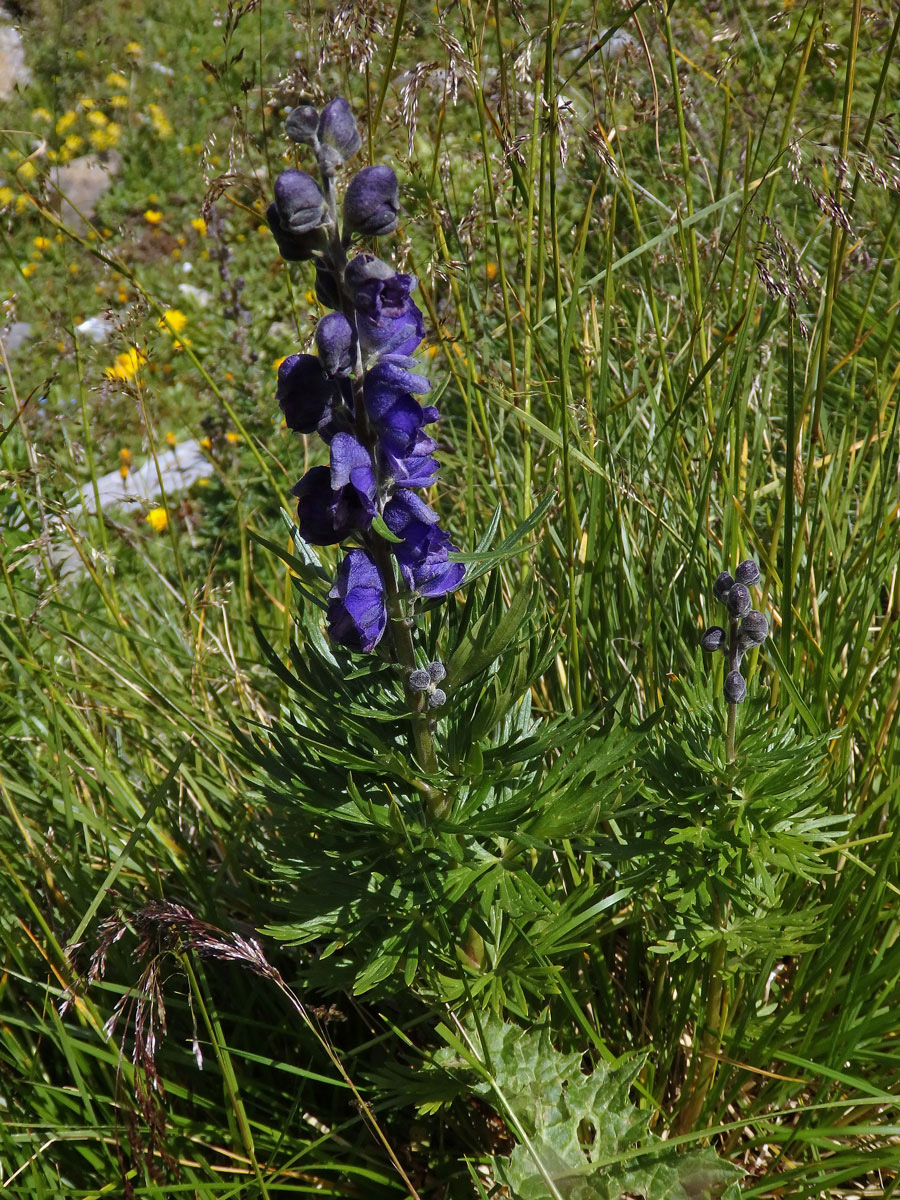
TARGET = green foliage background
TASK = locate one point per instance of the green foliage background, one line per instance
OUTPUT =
(660, 279)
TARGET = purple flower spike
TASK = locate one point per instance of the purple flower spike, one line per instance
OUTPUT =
(300, 204)
(336, 343)
(357, 610)
(304, 392)
(372, 202)
(387, 320)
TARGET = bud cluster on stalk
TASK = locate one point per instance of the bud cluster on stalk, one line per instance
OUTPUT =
(747, 627)
(360, 391)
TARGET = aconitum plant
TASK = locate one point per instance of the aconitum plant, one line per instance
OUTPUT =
(359, 392)
(747, 628)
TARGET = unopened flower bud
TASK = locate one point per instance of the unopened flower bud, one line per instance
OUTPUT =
(437, 698)
(713, 639)
(372, 202)
(338, 130)
(754, 628)
(336, 344)
(748, 573)
(419, 680)
(722, 586)
(300, 204)
(437, 671)
(301, 125)
(735, 687)
(738, 600)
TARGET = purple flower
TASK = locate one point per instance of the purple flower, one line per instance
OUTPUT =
(413, 469)
(300, 204)
(387, 320)
(372, 202)
(357, 610)
(295, 247)
(423, 553)
(336, 343)
(353, 482)
(396, 415)
(318, 519)
(304, 392)
(338, 130)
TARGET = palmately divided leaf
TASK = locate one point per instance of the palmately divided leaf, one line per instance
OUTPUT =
(585, 1139)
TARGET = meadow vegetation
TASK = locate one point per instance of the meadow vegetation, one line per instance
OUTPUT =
(240, 952)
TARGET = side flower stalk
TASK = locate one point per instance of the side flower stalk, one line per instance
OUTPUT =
(359, 393)
(747, 628)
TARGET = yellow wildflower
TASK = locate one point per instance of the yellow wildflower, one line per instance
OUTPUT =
(22, 202)
(6, 196)
(26, 170)
(491, 271)
(73, 142)
(98, 118)
(66, 121)
(171, 439)
(204, 481)
(106, 138)
(200, 225)
(86, 102)
(116, 79)
(42, 243)
(279, 361)
(161, 122)
(157, 519)
(153, 216)
(126, 365)
(173, 319)
(40, 114)
(206, 443)
(118, 101)
(28, 270)
(125, 455)
(134, 49)
(231, 436)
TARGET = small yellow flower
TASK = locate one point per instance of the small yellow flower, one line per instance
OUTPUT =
(118, 101)
(279, 361)
(263, 229)
(173, 319)
(42, 243)
(157, 519)
(40, 114)
(26, 170)
(66, 121)
(200, 225)
(74, 268)
(86, 102)
(160, 121)
(6, 196)
(73, 142)
(134, 49)
(98, 119)
(28, 270)
(171, 440)
(491, 271)
(116, 80)
(22, 202)
(206, 443)
(125, 455)
(203, 481)
(153, 216)
(310, 297)
(126, 365)
(123, 470)
(106, 138)
(231, 436)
